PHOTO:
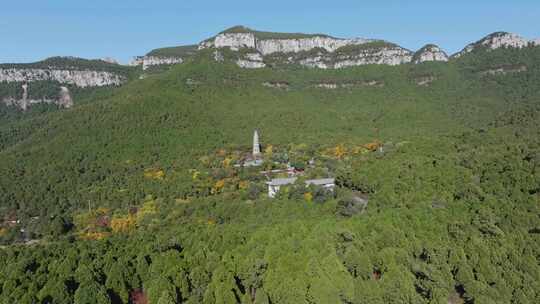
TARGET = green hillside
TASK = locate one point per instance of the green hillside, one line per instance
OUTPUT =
(133, 195)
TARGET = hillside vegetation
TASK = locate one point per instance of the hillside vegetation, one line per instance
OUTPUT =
(263, 35)
(131, 196)
(175, 51)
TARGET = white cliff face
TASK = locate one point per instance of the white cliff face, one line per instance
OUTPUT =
(326, 59)
(65, 99)
(495, 41)
(251, 61)
(329, 44)
(385, 55)
(81, 79)
(430, 53)
(235, 41)
(149, 61)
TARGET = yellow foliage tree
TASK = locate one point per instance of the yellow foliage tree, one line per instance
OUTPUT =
(3, 231)
(243, 185)
(269, 150)
(153, 173)
(218, 186)
(102, 210)
(227, 162)
(340, 151)
(123, 224)
(308, 196)
(373, 146)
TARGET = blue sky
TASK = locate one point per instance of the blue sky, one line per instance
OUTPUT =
(35, 29)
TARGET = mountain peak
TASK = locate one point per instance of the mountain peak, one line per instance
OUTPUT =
(430, 52)
(494, 41)
(238, 29)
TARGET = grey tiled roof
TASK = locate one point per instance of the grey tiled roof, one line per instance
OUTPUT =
(281, 181)
(320, 182)
(292, 180)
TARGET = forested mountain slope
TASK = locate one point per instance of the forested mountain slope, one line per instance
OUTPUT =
(131, 196)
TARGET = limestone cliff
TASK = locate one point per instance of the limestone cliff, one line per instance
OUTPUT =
(165, 56)
(495, 41)
(149, 61)
(430, 52)
(311, 50)
(263, 49)
(251, 61)
(369, 53)
(80, 78)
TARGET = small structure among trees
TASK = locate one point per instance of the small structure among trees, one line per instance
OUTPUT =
(275, 184)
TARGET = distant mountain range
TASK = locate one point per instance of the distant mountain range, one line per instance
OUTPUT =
(243, 46)
(257, 49)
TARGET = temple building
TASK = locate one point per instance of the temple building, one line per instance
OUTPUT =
(275, 184)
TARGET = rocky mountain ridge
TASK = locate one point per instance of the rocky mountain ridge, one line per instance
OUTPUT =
(57, 73)
(429, 52)
(247, 48)
(326, 52)
(498, 40)
(258, 49)
(148, 61)
(80, 78)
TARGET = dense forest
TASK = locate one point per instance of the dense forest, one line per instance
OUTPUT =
(132, 197)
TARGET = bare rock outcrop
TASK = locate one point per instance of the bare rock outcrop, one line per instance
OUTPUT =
(495, 41)
(149, 61)
(24, 102)
(348, 84)
(387, 55)
(430, 52)
(424, 81)
(329, 44)
(284, 85)
(319, 51)
(251, 61)
(503, 70)
(65, 99)
(83, 78)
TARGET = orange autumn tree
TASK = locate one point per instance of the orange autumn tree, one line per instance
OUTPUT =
(218, 186)
(373, 146)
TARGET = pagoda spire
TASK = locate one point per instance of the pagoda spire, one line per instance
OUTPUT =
(256, 144)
